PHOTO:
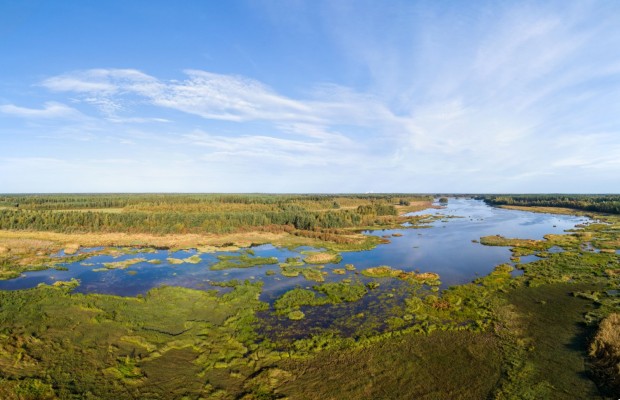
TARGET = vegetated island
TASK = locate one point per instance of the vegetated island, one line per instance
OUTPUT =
(381, 332)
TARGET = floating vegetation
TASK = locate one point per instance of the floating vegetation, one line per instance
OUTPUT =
(296, 315)
(292, 262)
(241, 261)
(384, 271)
(123, 264)
(349, 267)
(65, 284)
(339, 271)
(295, 298)
(324, 257)
(327, 293)
(195, 259)
(154, 261)
(520, 247)
(290, 272)
(310, 273)
(338, 292)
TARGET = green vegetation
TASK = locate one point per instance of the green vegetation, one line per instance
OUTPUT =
(333, 293)
(241, 261)
(598, 203)
(384, 271)
(123, 264)
(605, 353)
(171, 343)
(314, 257)
(543, 334)
(296, 315)
(171, 213)
(293, 267)
(311, 274)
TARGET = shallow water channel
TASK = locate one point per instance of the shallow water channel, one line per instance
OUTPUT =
(446, 247)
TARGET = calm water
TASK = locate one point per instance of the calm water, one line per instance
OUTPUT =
(445, 247)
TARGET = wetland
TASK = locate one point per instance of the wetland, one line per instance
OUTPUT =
(374, 298)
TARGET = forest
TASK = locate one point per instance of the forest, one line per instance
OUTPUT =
(605, 203)
(162, 214)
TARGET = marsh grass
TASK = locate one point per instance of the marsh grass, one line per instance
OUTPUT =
(406, 367)
(123, 264)
(322, 257)
(167, 342)
(604, 354)
(241, 261)
(384, 271)
(497, 337)
(547, 343)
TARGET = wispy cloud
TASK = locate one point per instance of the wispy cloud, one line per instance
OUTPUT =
(504, 97)
(50, 110)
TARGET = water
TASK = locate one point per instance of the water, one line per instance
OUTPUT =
(446, 247)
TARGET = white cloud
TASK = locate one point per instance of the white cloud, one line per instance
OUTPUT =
(51, 110)
(241, 149)
(107, 81)
(503, 96)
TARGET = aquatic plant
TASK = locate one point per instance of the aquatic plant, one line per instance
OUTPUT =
(384, 271)
(322, 257)
(241, 261)
(296, 315)
(123, 264)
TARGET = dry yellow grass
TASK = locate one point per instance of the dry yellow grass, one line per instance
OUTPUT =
(98, 210)
(546, 210)
(415, 206)
(28, 239)
(321, 258)
(16, 242)
(605, 351)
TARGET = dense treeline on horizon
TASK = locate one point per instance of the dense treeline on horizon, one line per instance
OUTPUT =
(195, 213)
(606, 203)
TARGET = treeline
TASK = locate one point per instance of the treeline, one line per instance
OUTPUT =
(197, 222)
(191, 202)
(599, 203)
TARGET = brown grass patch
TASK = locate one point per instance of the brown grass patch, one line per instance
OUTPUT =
(605, 352)
(321, 258)
(546, 210)
(414, 206)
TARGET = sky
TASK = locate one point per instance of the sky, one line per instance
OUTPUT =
(310, 96)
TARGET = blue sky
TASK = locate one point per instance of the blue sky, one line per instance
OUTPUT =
(309, 96)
